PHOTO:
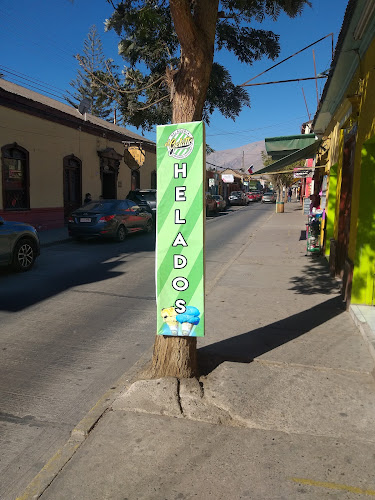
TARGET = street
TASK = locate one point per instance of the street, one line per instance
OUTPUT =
(75, 324)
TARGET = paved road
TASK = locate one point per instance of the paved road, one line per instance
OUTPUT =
(73, 325)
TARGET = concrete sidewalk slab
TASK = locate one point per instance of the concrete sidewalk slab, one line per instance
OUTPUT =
(296, 399)
(153, 457)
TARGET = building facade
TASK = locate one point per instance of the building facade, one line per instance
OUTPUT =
(345, 121)
(51, 155)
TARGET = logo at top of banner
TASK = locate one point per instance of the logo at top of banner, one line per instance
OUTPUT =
(180, 143)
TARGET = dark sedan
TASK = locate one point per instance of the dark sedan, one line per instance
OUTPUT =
(238, 198)
(145, 198)
(109, 219)
(19, 245)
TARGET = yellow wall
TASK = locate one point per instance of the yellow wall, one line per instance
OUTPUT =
(366, 129)
(358, 109)
(48, 143)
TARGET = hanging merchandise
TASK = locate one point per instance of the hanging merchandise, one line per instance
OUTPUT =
(313, 233)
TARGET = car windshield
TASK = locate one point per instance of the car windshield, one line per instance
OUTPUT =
(98, 206)
(148, 196)
(268, 193)
(216, 196)
(236, 193)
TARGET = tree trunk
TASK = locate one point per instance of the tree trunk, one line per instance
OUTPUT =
(174, 357)
(189, 91)
(177, 356)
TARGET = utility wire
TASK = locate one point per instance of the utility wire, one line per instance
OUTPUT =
(283, 81)
(29, 78)
(286, 59)
(33, 85)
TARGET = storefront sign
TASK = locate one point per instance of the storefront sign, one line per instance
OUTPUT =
(227, 178)
(301, 173)
(180, 229)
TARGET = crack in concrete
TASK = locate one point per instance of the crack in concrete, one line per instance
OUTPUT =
(178, 394)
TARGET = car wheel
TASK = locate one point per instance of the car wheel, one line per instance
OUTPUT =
(24, 255)
(121, 234)
(149, 226)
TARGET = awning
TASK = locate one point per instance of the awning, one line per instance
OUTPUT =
(301, 154)
(278, 147)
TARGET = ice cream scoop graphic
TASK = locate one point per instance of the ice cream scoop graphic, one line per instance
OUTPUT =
(169, 317)
(188, 319)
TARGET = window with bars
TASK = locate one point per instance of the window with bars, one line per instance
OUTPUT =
(15, 175)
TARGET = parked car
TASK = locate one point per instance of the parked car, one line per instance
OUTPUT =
(269, 197)
(19, 245)
(252, 196)
(211, 206)
(220, 202)
(238, 198)
(144, 198)
(109, 219)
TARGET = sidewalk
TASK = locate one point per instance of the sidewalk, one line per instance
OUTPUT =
(53, 236)
(284, 410)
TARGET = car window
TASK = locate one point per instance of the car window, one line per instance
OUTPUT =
(147, 196)
(99, 206)
(133, 207)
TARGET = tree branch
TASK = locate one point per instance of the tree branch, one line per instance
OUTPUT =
(184, 25)
(152, 103)
(117, 89)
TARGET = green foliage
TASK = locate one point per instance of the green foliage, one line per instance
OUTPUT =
(149, 45)
(94, 68)
(284, 179)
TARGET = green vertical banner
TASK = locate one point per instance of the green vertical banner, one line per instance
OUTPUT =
(180, 229)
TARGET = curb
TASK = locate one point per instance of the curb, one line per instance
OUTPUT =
(366, 332)
(56, 242)
(79, 434)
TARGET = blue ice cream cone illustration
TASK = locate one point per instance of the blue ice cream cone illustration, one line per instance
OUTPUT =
(188, 320)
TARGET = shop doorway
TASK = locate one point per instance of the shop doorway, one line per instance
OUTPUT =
(72, 167)
(135, 180)
(109, 185)
(345, 205)
(109, 169)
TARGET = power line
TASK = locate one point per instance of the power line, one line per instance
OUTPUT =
(34, 85)
(24, 76)
(283, 81)
(286, 59)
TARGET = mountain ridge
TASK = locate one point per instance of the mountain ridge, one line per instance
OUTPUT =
(240, 157)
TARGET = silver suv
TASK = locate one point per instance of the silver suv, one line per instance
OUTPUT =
(19, 245)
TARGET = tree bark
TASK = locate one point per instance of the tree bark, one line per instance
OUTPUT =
(177, 356)
(174, 357)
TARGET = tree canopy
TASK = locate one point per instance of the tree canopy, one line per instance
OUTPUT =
(93, 64)
(169, 46)
(283, 179)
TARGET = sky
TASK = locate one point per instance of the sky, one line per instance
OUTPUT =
(38, 41)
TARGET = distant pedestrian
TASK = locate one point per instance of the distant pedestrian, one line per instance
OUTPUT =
(290, 194)
(87, 198)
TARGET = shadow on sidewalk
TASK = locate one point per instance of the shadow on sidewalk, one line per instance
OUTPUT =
(247, 346)
(314, 278)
